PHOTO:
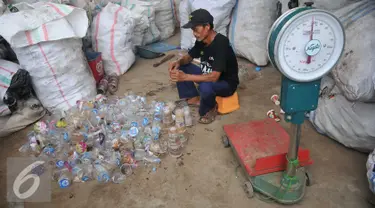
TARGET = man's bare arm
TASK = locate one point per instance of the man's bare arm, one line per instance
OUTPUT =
(185, 59)
(211, 77)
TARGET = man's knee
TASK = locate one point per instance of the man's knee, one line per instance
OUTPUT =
(206, 90)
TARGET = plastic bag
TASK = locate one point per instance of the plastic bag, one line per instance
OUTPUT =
(7, 70)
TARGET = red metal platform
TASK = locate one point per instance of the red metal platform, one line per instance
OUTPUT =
(261, 146)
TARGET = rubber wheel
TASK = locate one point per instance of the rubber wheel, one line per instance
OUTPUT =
(248, 188)
(225, 141)
(308, 179)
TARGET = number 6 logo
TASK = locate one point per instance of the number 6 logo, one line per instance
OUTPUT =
(23, 177)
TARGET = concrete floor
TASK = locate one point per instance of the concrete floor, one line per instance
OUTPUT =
(205, 176)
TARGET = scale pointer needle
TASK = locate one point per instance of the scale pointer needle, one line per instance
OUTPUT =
(311, 37)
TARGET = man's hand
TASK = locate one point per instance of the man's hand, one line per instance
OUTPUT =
(178, 76)
(175, 65)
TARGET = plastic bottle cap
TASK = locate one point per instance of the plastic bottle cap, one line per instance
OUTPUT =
(63, 183)
(134, 124)
(60, 163)
(133, 131)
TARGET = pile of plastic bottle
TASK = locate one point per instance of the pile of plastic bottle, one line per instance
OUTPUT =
(105, 139)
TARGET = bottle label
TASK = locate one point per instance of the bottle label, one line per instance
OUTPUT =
(103, 177)
(49, 150)
(116, 126)
(145, 121)
(85, 178)
(66, 137)
(75, 170)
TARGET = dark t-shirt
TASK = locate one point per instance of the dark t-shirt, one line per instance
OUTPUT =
(218, 56)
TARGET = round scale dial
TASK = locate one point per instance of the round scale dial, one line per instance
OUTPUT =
(306, 43)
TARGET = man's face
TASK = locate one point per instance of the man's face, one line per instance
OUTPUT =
(200, 32)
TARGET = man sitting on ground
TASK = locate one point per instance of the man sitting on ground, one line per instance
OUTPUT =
(218, 71)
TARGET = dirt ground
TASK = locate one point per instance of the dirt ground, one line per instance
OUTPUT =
(205, 176)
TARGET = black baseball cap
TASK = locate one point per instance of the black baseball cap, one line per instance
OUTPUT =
(199, 17)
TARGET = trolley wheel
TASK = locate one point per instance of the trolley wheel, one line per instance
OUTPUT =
(225, 141)
(248, 188)
(308, 178)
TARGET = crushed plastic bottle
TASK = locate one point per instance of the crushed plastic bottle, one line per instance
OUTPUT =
(101, 173)
(118, 176)
(180, 121)
(174, 143)
(187, 116)
(65, 178)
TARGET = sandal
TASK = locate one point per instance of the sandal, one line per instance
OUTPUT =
(184, 102)
(209, 117)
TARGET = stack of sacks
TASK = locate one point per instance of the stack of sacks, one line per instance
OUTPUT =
(350, 123)
(112, 32)
(49, 47)
(348, 116)
(176, 15)
(249, 28)
(219, 9)
(320, 4)
(139, 11)
(165, 17)
(355, 73)
(146, 8)
(2, 7)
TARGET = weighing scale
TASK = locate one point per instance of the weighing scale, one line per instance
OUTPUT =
(304, 44)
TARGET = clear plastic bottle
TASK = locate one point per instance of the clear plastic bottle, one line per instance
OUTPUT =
(101, 173)
(174, 144)
(147, 142)
(158, 147)
(187, 116)
(151, 159)
(83, 172)
(65, 178)
(126, 169)
(183, 138)
(167, 116)
(139, 154)
(180, 121)
(118, 177)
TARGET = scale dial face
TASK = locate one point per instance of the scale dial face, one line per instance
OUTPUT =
(308, 45)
